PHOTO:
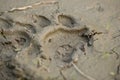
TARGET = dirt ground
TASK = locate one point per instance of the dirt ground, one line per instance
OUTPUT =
(59, 39)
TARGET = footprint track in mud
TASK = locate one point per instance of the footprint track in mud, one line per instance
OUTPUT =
(51, 38)
(54, 37)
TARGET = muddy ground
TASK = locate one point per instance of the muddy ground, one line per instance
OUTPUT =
(59, 39)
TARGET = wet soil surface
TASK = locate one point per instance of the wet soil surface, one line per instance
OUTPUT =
(60, 40)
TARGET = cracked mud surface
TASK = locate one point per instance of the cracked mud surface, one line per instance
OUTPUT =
(54, 40)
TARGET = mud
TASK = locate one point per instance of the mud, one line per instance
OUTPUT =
(59, 40)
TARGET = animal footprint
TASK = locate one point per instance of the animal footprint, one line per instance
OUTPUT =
(39, 48)
(54, 37)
